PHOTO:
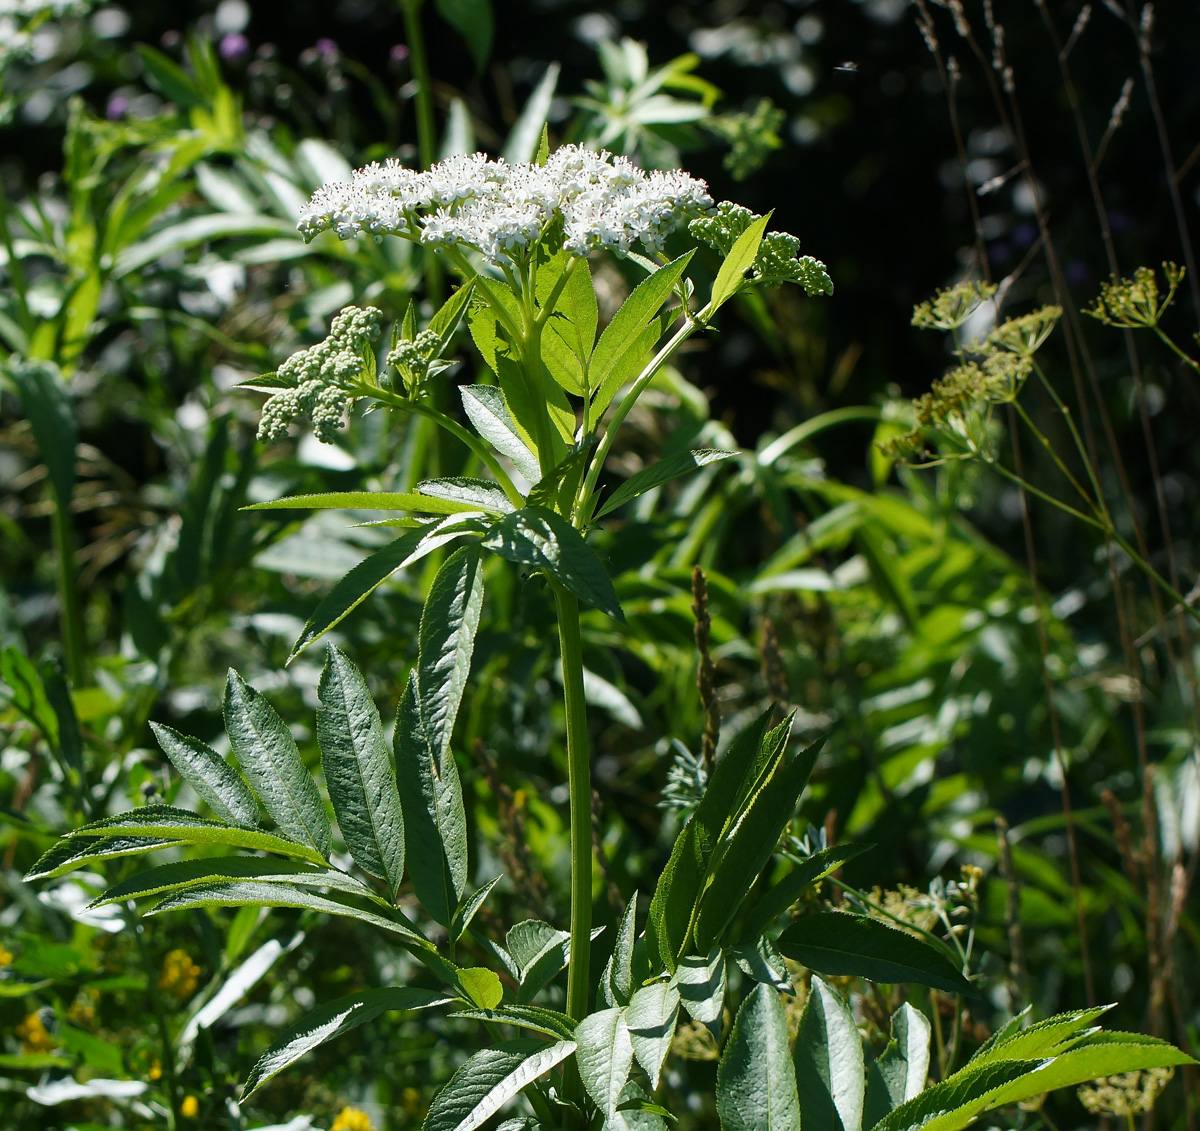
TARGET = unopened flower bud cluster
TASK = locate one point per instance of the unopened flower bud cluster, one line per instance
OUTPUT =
(323, 376)
(501, 210)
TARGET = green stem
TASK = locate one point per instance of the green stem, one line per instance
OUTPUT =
(1044, 440)
(1183, 356)
(580, 786)
(425, 125)
(1076, 438)
(70, 614)
(583, 503)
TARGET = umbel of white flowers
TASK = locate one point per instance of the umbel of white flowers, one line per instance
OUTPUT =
(502, 210)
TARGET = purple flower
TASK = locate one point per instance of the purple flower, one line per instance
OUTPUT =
(398, 55)
(327, 49)
(234, 46)
(118, 107)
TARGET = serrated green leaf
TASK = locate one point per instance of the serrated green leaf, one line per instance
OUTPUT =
(829, 1063)
(373, 571)
(788, 891)
(1043, 1038)
(358, 772)
(701, 983)
(449, 621)
(732, 274)
(71, 855)
(900, 1073)
(618, 974)
(260, 893)
(604, 1054)
(331, 1020)
(435, 823)
(268, 756)
(215, 781)
(539, 951)
(178, 824)
(184, 873)
(659, 473)
(488, 411)
(750, 843)
(477, 494)
(535, 1017)
(756, 1083)
(651, 1016)
(762, 962)
(489, 1079)
(468, 907)
(446, 321)
(540, 539)
(368, 501)
(956, 1102)
(625, 332)
(840, 944)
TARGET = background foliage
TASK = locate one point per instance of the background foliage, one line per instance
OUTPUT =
(152, 165)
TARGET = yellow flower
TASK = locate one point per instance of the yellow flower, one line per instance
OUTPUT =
(179, 974)
(410, 1100)
(190, 1107)
(352, 1119)
(155, 1071)
(5, 957)
(33, 1035)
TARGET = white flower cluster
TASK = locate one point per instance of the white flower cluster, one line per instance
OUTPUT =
(321, 377)
(502, 210)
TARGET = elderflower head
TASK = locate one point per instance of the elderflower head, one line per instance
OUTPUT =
(323, 377)
(502, 210)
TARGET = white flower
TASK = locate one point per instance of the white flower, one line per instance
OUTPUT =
(502, 210)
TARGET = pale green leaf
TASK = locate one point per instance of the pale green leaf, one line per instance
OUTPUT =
(604, 1054)
(732, 275)
(829, 1063)
(651, 1016)
(756, 1083)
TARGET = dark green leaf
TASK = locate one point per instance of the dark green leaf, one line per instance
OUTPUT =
(70, 855)
(540, 539)
(267, 753)
(449, 621)
(618, 975)
(178, 824)
(659, 473)
(332, 1020)
(900, 1073)
(472, 19)
(58, 695)
(535, 1017)
(756, 1083)
(445, 322)
(358, 772)
(47, 406)
(840, 944)
(604, 1054)
(489, 1079)
(468, 907)
(829, 1063)
(215, 781)
(435, 824)
(788, 891)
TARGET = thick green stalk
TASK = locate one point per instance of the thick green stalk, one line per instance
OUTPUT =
(70, 615)
(579, 781)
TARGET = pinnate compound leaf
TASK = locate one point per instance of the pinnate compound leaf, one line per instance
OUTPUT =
(331, 1020)
(756, 1083)
(488, 411)
(540, 539)
(659, 473)
(624, 332)
(489, 1079)
(373, 571)
(179, 825)
(449, 621)
(651, 1016)
(215, 781)
(829, 1063)
(841, 944)
(604, 1054)
(435, 823)
(358, 772)
(261, 893)
(267, 753)
(70, 855)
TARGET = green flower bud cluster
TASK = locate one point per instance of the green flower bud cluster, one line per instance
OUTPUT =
(776, 262)
(751, 137)
(950, 308)
(414, 357)
(322, 377)
(1134, 303)
(1127, 1094)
